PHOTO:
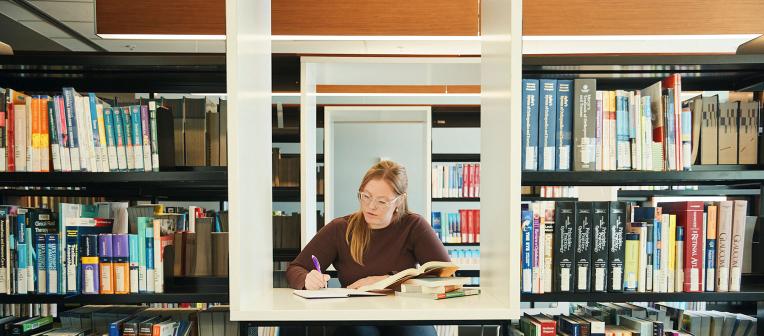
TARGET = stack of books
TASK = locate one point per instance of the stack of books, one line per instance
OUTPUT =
(436, 288)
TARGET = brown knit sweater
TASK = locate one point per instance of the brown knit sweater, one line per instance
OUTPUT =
(399, 246)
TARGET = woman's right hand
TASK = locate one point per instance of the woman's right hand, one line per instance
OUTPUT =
(315, 280)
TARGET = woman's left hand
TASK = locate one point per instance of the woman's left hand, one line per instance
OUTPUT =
(367, 281)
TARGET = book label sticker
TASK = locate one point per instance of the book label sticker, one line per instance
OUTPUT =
(617, 273)
(548, 158)
(119, 275)
(530, 158)
(723, 283)
(564, 157)
(599, 276)
(694, 286)
(89, 284)
(735, 274)
(565, 279)
(582, 279)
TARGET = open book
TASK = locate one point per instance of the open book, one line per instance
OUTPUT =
(428, 269)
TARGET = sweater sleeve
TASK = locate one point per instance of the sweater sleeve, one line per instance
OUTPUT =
(427, 246)
(323, 246)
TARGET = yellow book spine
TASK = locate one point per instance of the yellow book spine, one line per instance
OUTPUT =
(631, 262)
(671, 252)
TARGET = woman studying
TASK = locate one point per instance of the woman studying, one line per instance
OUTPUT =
(380, 239)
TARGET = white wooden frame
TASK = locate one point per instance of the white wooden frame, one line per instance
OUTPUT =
(249, 94)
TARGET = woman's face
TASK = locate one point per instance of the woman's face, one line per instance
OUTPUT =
(378, 203)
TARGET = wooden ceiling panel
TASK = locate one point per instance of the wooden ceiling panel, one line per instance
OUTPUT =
(642, 17)
(183, 17)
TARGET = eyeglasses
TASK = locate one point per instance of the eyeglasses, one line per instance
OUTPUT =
(367, 200)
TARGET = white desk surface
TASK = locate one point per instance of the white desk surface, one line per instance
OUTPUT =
(281, 305)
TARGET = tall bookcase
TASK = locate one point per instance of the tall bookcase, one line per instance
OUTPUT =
(206, 73)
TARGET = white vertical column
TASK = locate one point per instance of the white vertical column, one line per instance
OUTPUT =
(248, 80)
(307, 152)
(501, 72)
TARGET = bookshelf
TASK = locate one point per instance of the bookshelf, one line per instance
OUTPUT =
(115, 299)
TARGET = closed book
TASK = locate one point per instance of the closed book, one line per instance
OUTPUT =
(133, 262)
(548, 325)
(40, 242)
(569, 325)
(194, 130)
(617, 253)
(564, 246)
(647, 216)
(150, 268)
(637, 325)
(106, 263)
(623, 144)
(146, 138)
(129, 138)
(584, 227)
(94, 138)
(88, 255)
(679, 257)
(145, 327)
(748, 131)
(104, 145)
(657, 124)
(740, 209)
(220, 254)
(52, 266)
(179, 252)
(600, 226)
(121, 263)
(710, 259)
(203, 258)
(728, 132)
(690, 217)
(547, 124)
(5, 262)
(565, 124)
(530, 133)
(671, 247)
(709, 131)
(536, 250)
(31, 326)
(723, 244)
(190, 253)
(120, 140)
(75, 250)
(153, 124)
(631, 262)
(548, 232)
(526, 227)
(55, 150)
(143, 223)
(584, 129)
(136, 131)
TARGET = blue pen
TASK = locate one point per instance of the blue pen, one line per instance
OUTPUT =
(315, 263)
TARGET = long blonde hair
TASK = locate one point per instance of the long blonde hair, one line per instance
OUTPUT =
(358, 233)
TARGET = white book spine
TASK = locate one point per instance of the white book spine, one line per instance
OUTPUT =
(21, 284)
(723, 245)
(134, 278)
(66, 161)
(29, 136)
(20, 127)
(644, 272)
(82, 149)
(112, 155)
(92, 153)
(738, 237)
(150, 281)
(158, 264)
(3, 163)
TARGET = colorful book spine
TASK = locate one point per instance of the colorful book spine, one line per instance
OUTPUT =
(111, 149)
(565, 124)
(527, 256)
(89, 264)
(143, 223)
(154, 136)
(547, 124)
(146, 138)
(723, 245)
(41, 261)
(535, 252)
(150, 278)
(137, 134)
(680, 267)
(103, 148)
(71, 128)
(120, 139)
(95, 135)
(127, 128)
(711, 226)
(63, 134)
(631, 264)
(55, 150)
(623, 144)
(134, 262)
(671, 271)
(121, 263)
(530, 136)
(106, 262)
(54, 261)
(21, 254)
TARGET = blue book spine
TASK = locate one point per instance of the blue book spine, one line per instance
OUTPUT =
(548, 125)
(40, 262)
(571, 329)
(134, 260)
(658, 249)
(53, 262)
(530, 132)
(527, 257)
(710, 263)
(150, 260)
(71, 120)
(460, 179)
(564, 124)
(436, 224)
(92, 100)
(135, 122)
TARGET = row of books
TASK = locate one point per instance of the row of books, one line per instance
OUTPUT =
(617, 246)
(457, 227)
(73, 132)
(286, 230)
(200, 133)
(29, 309)
(286, 171)
(465, 257)
(107, 248)
(649, 129)
(451, 180)
(625, 319)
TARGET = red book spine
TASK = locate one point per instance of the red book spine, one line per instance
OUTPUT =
(689, 215)
(10, 138)
(477, 180)
(470, 226)
(477, 226)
